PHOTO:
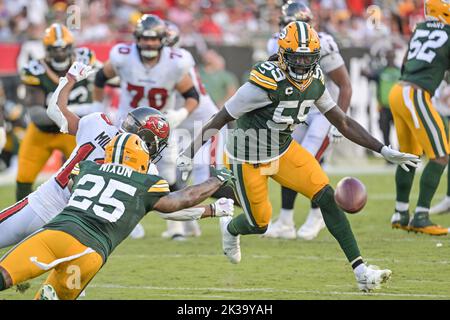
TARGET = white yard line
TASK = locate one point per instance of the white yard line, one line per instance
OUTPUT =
(266, 290)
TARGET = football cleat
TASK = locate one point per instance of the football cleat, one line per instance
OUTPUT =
(138, 232)
(279, 229)
(311, 228)
(422, 223)
(48, 293)
(400, 220)
(192, 229)
(230, 243)
(174, 231)
(441, 207)
(372, 278)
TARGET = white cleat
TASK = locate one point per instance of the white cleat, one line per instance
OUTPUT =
(372, 278)
(230, 243)
(311, 228)
(441, 207)
(138, 232)
(280, 230)
(192, 229)
(48, 293)
(174, 231)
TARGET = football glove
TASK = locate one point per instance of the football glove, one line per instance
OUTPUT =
(223, 207)
(2, 138)
(400, 158)
(224, 175)
(176, 117)
(334, 135)
(79, 71)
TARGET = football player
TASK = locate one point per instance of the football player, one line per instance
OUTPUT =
(267, 108)
(211, 153)
(107, 202)
(316, 135)
(92, 133)
(419, 127)
(41, 78)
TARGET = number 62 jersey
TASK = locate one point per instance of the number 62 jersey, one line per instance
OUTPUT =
(428, 55)
(94, 132)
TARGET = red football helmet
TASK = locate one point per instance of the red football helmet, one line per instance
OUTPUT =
(151, 126)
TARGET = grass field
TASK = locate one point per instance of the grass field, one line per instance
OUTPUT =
(155, 268)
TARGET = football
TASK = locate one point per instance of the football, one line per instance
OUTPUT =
(350, 195)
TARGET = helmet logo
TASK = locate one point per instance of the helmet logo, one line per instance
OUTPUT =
(283, 34)
(158, 126)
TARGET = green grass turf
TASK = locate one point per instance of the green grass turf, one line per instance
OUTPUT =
(155, 268)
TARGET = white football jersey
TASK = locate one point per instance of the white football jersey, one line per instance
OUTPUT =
(148, 86)
(330, 57)
(94, 132)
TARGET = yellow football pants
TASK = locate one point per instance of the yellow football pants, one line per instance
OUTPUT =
(67, 278)
(296, 169)
(419, 126)
(35, 149)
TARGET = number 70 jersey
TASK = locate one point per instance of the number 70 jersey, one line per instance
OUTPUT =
(428, 55)
(94, 132)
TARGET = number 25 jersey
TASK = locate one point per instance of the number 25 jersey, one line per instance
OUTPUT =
(143, 86)
(428, 55)
(94, 132)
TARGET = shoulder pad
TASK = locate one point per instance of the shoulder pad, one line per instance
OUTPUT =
(327, 44)
(266, 75)
(85, 55)
(119, 53)
(182, 58)
(31, 72)
(158, 185)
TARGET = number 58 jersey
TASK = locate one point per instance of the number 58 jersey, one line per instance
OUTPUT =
(428, 55)
(143, 86)
(94, 132)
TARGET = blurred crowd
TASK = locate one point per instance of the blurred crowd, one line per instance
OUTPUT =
(222, 22)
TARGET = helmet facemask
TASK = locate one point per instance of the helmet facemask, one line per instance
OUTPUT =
(60, 57)
(150, 27)
(299, 65)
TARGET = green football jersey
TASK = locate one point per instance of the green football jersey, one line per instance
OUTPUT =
(264, 129)
(107, 202)
(35, 74)
(428, 55)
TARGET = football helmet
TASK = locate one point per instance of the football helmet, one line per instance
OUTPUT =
(152, 27)
(295, 11)
(151, 126)
(438, 10)
(58, 42)
(130, 150)
(173, 33)
(298, 50)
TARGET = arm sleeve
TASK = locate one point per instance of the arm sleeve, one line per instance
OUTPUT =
(247, 98)
(325, 102)
(331, 62)
(183, 215)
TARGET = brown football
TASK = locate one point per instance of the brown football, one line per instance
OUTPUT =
(350, 195)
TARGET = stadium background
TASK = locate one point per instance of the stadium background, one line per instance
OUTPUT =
(239, 30)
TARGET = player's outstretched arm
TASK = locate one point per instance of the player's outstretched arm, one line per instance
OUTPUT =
(353, 131)
(101, 78)
(57, 107)
(193, 195)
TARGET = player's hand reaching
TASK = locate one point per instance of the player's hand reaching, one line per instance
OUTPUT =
(402, 159)
(224, 175)
(176, 117)
(79, 71)
(223, 207)
(334, 135)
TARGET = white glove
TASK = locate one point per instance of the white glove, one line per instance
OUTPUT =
(223, 207)
(79, 71)
(184, 164)
(2, 138)
(400, 158)
(334, 135)
(176, 117)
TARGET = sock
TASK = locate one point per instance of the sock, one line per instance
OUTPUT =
(287, 198)
(448, 180)
(429, 181)
(403, 182)
(314, 205)
(360, 268)
(22, 190)
(401, 206)
(2, 282)
(287, 216)
(337, 222)
(239, 225)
